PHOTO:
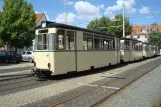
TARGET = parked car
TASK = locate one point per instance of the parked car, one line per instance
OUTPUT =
(28, 56)
(10, 56)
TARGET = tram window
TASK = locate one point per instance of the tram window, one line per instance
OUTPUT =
(70, 40)
(51, 42)
(110, 44)
(84, 43)
(97, 44)
(113, 45)
(60, 39)
(89, 43)
(105, 45)
(127, 45)
(122, 46)
(42, 42)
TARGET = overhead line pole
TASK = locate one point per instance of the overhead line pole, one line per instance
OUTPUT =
(123, 15)
(66, 11)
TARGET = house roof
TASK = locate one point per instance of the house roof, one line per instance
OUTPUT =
(38, 17)
(138, 29)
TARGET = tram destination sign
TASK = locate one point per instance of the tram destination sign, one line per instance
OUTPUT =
(43, 31)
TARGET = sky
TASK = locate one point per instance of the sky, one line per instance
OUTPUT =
(81, 12)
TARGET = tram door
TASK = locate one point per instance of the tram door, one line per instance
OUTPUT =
(117, 42)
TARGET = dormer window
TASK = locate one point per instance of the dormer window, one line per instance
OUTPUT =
(154, 29)
(144, 30)
(134, 31)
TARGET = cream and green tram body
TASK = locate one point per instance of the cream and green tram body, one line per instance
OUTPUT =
(148, 50)
(61, 48)
(131, 50)
(156, 50)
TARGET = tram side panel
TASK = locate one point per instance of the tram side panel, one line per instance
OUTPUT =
(90, 58)
(64, 62)
(136, 55)
(125, 54)
(87, 59)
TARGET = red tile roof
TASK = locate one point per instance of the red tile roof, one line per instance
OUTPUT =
(38, 17)
(138, 29)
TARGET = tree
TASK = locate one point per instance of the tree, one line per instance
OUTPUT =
(17, 25)
(1, 42)
(116, 27)
(154, 23)
(99, 25)
(155, 38)
(104, 24)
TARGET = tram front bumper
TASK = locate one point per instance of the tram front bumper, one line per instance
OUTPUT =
(40, 72)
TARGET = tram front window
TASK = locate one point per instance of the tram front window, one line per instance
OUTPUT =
(42, 42)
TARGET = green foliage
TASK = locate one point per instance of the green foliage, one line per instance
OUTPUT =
(104, 24)
(17, 25)
(155, 23)
(155, 38)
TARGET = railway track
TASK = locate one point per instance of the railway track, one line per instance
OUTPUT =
(21, 83)
(92, 89)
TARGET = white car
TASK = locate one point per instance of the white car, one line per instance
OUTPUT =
(28, 56)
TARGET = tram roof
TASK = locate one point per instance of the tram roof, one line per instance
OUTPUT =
(64, 26)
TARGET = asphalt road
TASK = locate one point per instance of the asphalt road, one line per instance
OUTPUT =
(144, 92)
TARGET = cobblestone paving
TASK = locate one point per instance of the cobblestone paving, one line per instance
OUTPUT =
(88, 98)
(56, 89)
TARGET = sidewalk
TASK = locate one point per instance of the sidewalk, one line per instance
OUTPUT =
(15, 65)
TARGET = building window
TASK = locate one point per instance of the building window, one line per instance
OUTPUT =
(144, 30)
(154, 29)
(134, 31)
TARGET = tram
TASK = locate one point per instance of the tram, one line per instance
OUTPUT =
(131, 50)
(63, 48)
(60, 49)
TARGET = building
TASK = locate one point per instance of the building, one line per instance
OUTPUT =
(142, 32)
(39, 18)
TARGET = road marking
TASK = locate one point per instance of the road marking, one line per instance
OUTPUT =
(110, 87)
(14, 73)
(88, 85)
(100, 86)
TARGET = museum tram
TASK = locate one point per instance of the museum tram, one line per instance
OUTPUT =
(61, 48)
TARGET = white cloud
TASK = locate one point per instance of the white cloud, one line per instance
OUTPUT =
(70, 18)
(37, 12)
(144, 10)
(68, 2)
(128, 6)
(147, 17)
(86, 10)
(109, 14)
(101, 6)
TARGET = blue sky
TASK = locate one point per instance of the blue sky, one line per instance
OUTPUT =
(80, 12)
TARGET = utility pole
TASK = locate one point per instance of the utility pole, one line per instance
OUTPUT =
(123, 15)
(66, 11)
